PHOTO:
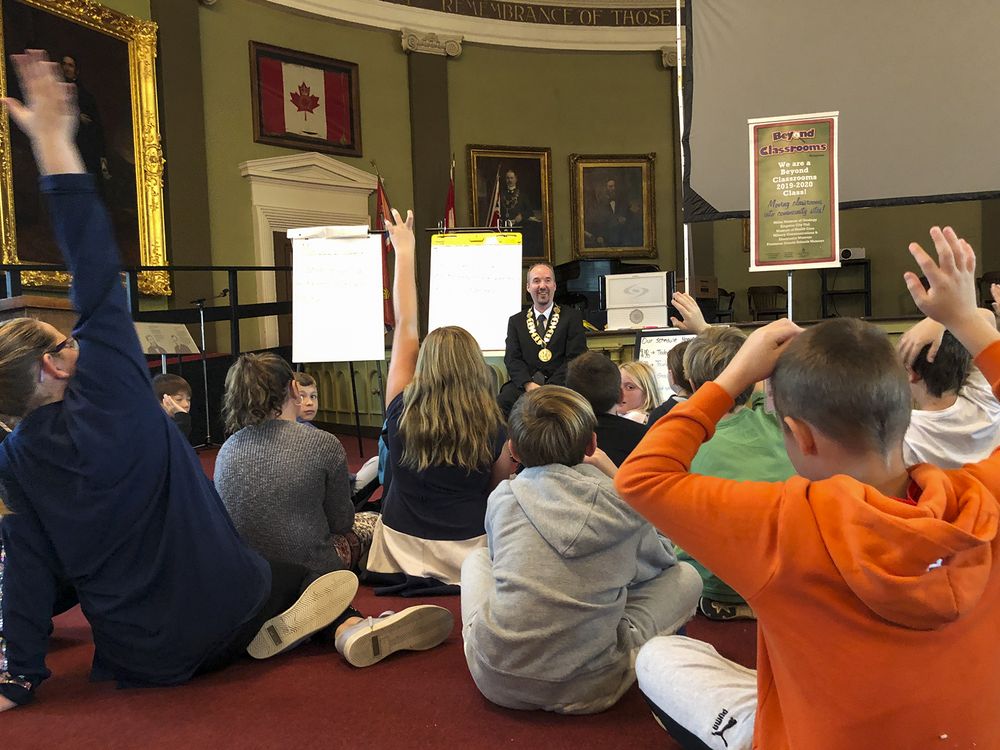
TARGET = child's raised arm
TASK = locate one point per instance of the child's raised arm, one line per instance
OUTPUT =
(951, 298)
(405, 339)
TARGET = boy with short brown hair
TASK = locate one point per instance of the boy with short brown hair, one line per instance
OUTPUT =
(875, 588)
(573, 581)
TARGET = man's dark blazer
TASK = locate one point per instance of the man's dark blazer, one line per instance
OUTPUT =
(521, 357)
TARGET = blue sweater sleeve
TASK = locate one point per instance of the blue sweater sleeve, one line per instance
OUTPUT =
(111, 386)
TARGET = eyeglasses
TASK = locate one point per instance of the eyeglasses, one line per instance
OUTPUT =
(67, 343)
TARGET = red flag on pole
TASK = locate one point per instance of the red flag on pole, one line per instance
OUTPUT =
(382, 213)
(493, 214)
(449, 204)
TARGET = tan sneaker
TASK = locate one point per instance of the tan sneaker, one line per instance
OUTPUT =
(414, 629)
(323, 601)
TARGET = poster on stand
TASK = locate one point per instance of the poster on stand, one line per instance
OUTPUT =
(794, 221)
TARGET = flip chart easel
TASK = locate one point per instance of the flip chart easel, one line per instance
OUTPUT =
(476, 284)
(337, 299)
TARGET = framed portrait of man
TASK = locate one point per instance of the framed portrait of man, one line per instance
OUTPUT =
(109, 56)
(614, 208)
(512, 187)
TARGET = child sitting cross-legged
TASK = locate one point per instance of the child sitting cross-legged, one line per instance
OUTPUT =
(874, 585)
(573, 581)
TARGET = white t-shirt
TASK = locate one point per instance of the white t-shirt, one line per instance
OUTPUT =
(965, 432)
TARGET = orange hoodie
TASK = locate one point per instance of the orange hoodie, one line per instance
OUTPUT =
(878, 621)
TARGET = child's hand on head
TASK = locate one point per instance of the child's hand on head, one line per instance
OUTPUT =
(927, 331)
(757, 357)
(951, 298)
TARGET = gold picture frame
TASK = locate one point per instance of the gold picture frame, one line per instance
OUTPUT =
(506, 171)
(613, 205)
(139, 36)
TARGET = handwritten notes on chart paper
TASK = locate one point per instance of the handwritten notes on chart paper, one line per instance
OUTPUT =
(653, 348)
(476, 284)
(337, 299)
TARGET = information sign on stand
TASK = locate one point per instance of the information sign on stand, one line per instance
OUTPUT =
(794, 192)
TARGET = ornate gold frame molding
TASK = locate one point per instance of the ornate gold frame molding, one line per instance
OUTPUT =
(140, 35)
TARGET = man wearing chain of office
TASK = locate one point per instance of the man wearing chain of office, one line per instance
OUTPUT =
(541, 341)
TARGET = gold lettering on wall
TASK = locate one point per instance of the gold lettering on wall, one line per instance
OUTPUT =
(556, 15)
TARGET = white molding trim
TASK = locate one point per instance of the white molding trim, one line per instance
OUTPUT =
(431, 44)
(302, 190)
(395, 17)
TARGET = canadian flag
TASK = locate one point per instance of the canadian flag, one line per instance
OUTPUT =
(299, 100)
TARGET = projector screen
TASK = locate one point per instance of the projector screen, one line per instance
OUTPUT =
(915, 82)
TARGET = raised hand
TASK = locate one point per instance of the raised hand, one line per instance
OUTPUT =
(400, 232)
(951, 298)
(693, 320)
(757, 357)
(952, 293)
(48, 115)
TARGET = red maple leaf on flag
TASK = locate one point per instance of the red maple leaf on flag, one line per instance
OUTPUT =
(304, 101)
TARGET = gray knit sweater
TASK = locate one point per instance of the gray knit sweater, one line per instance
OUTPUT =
(287, 490)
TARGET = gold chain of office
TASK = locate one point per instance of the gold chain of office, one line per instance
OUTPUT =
(544, 354)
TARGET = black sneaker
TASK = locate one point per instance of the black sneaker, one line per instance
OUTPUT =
(724, 611)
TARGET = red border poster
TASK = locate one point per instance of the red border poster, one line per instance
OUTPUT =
(794, 217)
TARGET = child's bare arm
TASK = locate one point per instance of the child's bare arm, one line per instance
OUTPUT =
(405, 341)
(951, 298)
(602, 461)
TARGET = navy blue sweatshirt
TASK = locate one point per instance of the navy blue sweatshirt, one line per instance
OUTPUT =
(108, 497)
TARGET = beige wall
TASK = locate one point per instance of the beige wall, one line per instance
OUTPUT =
(572, 102)
(137, 8)
(226, 30)
(885, 234)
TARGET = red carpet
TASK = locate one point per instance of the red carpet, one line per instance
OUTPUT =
(311, 698)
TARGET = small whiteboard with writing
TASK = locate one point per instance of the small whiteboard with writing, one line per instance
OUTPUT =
(336, 296)
(652, 348)
(476, 284)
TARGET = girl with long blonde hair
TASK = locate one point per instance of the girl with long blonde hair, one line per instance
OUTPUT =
(640, 391)
(445, 438)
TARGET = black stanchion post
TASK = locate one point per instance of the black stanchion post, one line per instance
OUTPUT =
(357, 415)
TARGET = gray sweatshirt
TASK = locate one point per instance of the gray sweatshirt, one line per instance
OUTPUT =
(286, 488)
(565, 549)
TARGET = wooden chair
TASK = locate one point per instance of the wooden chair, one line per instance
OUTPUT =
(724, 310)
(767, 302)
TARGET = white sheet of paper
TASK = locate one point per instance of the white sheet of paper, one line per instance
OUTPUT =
(476, 284)
(337, 300)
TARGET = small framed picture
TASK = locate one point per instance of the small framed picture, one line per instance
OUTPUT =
(514, 185)
(613, 209)
(304, 101)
